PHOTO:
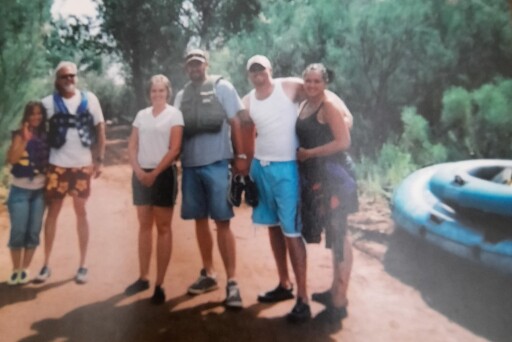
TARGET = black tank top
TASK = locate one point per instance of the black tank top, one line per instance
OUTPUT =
(312, 133)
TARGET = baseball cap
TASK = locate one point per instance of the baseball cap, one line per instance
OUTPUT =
(259, 59)
(196, 55)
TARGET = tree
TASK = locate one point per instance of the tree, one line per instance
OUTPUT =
(148, 36)
(212, 22)
(22, 58)
(477, 123)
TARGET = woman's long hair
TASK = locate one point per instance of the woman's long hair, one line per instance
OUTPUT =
(29, 109)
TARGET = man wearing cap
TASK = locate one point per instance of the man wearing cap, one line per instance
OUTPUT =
(212, 130)
(77, 140)
(273, 107)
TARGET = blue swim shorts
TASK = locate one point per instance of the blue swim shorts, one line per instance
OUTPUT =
(278, 192)
(205, 192)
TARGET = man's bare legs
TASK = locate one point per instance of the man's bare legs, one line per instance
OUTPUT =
(205, 242)
(227, 247)
(50, 227)
(279, 250)
(298, 258)
(82, 225)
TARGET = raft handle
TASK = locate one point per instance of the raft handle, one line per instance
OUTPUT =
(458, 180)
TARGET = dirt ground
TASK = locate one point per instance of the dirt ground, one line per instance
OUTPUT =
(401, 290)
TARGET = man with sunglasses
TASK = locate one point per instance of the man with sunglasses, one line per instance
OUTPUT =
(77, 140)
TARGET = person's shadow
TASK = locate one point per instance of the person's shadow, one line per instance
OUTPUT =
(142, 321)
(15, 294)
(475, 297)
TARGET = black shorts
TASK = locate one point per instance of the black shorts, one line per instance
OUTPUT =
(162, 193)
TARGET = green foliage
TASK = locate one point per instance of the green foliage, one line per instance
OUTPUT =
(212, 22)
(148, 37)
(22, 60)
(117, 100)
(477, 123)
(78, 40)
(400, 156)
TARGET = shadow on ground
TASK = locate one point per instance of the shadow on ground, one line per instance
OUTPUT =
(16, 294)
(468, 294)
(142, 321)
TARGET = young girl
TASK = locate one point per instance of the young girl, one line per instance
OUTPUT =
(28, 155)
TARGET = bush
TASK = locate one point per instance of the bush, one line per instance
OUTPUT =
(477, 124)
(400, 156)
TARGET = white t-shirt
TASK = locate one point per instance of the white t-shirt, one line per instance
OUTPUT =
(155, 134)
(73, 153)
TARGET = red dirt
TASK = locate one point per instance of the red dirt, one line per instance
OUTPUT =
(400, 290)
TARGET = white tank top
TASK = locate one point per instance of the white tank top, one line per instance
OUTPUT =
(274, 118)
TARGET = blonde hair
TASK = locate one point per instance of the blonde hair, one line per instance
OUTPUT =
(160, 79)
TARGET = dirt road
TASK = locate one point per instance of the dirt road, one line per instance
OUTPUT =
(400, 290)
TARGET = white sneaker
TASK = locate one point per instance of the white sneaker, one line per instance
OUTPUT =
(81, 276)
(23, 277)
(43, 275)
(14, 278)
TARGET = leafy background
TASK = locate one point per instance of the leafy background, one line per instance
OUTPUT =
(427, 81)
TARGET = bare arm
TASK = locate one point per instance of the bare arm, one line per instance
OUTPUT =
(133, 149)
(18, 145)
(294, 88)
(241, 142)
(99, 149)
(340, 104)
(331, 115)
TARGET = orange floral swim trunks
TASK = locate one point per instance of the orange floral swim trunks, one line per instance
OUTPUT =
(75, 181)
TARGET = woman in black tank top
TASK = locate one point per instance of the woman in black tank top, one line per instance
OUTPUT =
(328, 186)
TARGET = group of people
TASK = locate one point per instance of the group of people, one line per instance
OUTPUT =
(288, 137)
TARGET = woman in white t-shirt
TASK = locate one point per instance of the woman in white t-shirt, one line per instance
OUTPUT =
(154, 146)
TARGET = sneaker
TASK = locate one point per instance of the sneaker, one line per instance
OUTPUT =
(236, 187)
(324, 298)
(23, 277)
(204, 283)
(138, 286)
(81, 276)
(251, 192)
(300, 312)
(276, 295)
(14, 278)
(43, 275)
(233, 299)
(158, 296)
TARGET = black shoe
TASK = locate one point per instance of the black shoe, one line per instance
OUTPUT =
(251, 192)
(139, 286)
(324, 298)
(158, 296)
(300, 312)
(236, 187)
(276, 295)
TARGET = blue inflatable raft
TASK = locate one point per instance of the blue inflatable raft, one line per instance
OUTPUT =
(482, 185)
(418, 211)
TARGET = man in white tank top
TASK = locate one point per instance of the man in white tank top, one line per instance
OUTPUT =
(273, 108)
